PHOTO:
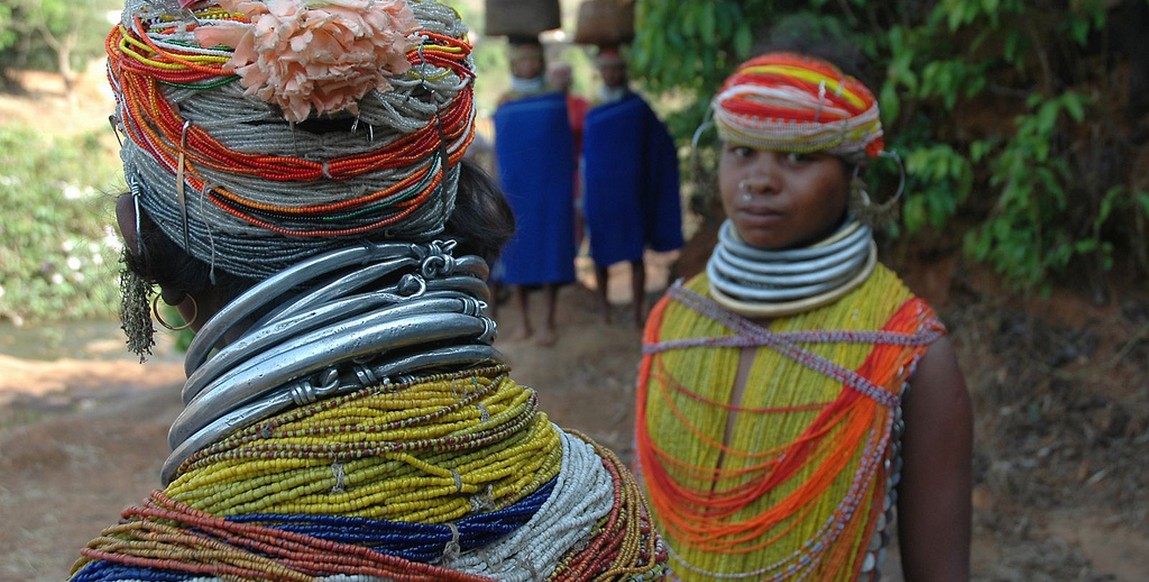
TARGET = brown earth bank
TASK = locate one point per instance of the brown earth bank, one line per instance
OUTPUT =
(1060, 386)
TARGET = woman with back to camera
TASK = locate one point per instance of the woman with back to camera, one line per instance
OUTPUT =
(795, 394)
(298, 191)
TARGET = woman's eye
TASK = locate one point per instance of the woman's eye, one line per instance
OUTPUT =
(797, 158)
(737, 151)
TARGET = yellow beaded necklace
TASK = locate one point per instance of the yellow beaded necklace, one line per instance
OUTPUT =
(432, 451)
(786, 478)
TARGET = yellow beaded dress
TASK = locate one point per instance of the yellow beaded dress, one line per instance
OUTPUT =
(791, 476)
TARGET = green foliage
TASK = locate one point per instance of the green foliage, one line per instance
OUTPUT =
(34, 33)
(8, 35)
(58, 250)
(936, 168)
(1025, 236)
(689, 44)
(1036, 225)
(992, 104)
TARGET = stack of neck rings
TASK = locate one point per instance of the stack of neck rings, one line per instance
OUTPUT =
(346, 418)
(770, 390)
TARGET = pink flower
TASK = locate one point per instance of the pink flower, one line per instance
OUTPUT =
(314, 55)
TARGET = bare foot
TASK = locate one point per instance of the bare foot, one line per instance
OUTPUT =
(546, 338)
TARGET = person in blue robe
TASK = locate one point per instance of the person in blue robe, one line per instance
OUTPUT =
(534, 152)
(631, 181)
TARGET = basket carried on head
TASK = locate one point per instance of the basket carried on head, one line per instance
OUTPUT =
(605, 22)
(521, 18)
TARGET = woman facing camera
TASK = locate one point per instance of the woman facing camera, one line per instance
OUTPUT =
(797, 396)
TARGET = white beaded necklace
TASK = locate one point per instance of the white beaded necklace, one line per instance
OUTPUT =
(581, 498)
(761, 283)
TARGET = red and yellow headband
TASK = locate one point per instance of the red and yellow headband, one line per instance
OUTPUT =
(796, 103)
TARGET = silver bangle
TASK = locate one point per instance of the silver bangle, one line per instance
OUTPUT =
(312, 352)
(273, 287)
(289, 396)
(378, 305)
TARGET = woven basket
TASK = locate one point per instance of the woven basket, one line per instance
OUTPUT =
(521, 17)
(605, 22)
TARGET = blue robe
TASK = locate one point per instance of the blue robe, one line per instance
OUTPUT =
(631, 182)
(534, 152)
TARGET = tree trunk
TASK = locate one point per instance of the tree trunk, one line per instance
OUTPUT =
(64, 63)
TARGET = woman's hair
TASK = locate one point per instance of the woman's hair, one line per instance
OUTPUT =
(482, 222)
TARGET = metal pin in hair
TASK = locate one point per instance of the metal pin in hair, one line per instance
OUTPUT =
(116, 129)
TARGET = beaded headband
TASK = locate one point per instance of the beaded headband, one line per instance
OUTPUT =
(263, 132)
(796, 103)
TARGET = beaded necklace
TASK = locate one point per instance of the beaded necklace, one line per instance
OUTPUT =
(431, 451)
(762, 283)
(168, 540)
(587, 523)
(790, 481)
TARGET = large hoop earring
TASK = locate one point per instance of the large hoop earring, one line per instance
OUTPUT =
(165, 324)
(875, 215)
(703, 177)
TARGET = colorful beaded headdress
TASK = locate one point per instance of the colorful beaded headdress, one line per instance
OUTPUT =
(796, 103)
(263, 132)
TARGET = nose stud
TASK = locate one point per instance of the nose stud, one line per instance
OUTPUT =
(744, 187)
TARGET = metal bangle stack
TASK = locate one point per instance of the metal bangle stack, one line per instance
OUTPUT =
(358, 316)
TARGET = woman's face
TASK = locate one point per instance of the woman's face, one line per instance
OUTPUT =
(527, 67)
(613, 74)
(794, 199)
